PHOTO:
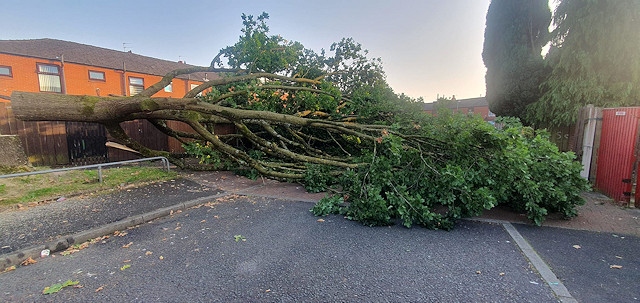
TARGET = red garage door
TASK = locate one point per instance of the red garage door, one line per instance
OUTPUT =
(617, 153)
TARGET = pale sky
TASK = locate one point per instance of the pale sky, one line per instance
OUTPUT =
(428, 47)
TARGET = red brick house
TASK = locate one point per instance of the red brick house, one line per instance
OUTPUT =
(63, 67)
(478, 106)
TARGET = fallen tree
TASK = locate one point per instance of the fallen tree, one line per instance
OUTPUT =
(333, 123)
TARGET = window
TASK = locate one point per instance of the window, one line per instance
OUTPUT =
(95, 75)
(5, 71)
(49, 78)
(168, 88)
(136, 85)
(194, 86)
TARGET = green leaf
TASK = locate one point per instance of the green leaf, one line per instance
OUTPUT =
(58, 286)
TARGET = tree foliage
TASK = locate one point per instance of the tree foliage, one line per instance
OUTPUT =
(331, 122)
(472, 167)
(516, 31)
(594, 59)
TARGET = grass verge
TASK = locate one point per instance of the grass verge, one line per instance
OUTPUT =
(44, 187)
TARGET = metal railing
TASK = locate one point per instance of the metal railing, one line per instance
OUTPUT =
(165, 163)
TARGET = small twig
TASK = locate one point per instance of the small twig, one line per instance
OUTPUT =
(334, 140)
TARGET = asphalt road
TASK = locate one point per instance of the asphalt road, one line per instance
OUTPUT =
(284, 254)
(595, 267)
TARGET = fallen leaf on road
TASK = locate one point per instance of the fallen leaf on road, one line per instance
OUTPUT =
(148, 253)
(80, 246)
(58, 286)
(75, 248)
(126, 261)
(125, 266)
(98, 239)
(69, 251)
(28, 261)
(203, 221)
(239, 238)
(577, 246)
(161, 258)
(10, 268)
(99, 288)
(127, 245)
(615, 266)
(320, 220)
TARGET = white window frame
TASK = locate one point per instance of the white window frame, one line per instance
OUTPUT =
(92, 74)
(9, 72)
(49, 81)
(137, 87)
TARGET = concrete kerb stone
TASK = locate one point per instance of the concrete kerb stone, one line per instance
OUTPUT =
(543, 269)
(16, 258)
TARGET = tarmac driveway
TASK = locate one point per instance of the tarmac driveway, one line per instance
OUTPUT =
(253, 249)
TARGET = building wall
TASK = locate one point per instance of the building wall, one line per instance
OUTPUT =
(24, 75)
(75, 78)
(45, 142)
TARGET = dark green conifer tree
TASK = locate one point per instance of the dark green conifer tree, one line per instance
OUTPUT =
(595, 59)
(516, 31)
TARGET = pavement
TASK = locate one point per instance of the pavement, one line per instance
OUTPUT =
(225, 238)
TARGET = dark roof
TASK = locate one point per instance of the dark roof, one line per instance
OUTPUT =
(73, 52)
(472, 102)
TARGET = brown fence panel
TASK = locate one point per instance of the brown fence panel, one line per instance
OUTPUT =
(174, 145)
(143, 132)
(43, 142)
(616, 154)
(7, 122)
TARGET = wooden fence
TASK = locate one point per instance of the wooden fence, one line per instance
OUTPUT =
(50, 143)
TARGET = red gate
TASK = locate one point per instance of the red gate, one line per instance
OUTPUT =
(617, 156)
